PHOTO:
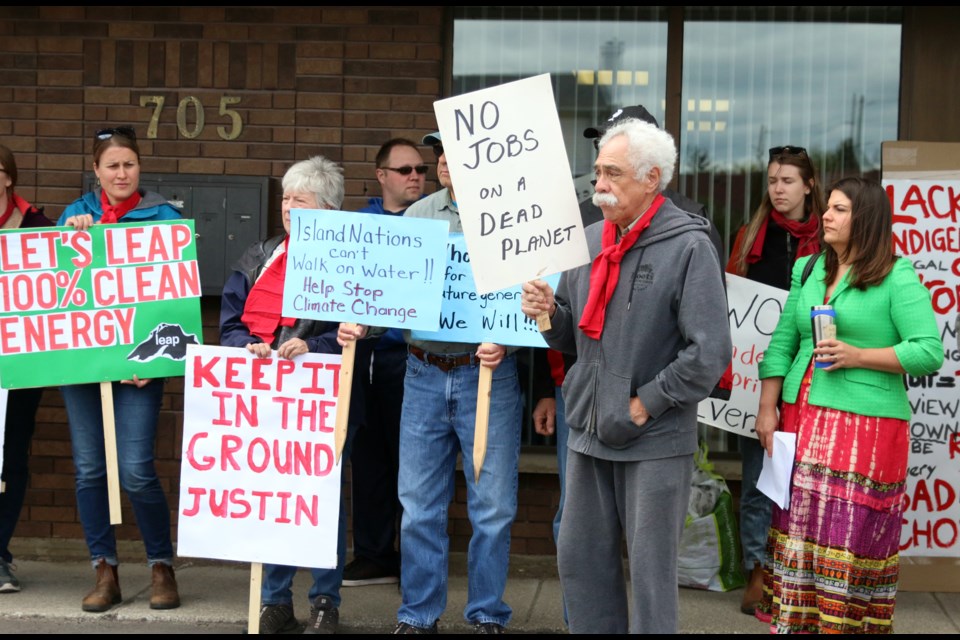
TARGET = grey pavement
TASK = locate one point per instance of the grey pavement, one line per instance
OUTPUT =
(214, 600)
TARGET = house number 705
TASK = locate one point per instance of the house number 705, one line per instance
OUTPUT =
(231, 132)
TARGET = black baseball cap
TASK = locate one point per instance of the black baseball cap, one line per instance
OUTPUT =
(637, 111)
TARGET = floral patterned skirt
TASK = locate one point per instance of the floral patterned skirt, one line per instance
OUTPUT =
(833, 560)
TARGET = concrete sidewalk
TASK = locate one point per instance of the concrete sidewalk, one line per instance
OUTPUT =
(215, 595)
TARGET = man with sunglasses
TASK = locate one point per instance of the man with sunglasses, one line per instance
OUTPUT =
(401, 173)
(375, 462)
(437, 424)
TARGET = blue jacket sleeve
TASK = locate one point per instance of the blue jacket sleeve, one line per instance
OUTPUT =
(325, 342)
(233, 333)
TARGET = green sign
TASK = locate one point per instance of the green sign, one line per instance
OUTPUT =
(99, 305)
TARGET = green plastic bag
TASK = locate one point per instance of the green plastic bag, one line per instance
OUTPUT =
(710, 545)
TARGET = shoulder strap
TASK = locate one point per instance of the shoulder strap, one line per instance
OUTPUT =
(808, 269)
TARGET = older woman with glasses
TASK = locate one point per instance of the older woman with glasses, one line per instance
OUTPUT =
(118, 198)
(783, 229)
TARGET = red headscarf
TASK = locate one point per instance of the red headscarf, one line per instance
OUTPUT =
(113, 213)
(262, 311)
(806, 232)
(605, 272)
(14, 202)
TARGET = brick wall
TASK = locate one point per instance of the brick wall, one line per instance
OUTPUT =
(333, 81)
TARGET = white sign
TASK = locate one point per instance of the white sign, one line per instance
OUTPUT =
(512, 182)
(754, 312)
(926, 229)
(258, 479)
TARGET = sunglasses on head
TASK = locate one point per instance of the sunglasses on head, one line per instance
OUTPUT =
(786, 150)
(421, 169)
(106, 134)
(438, 150)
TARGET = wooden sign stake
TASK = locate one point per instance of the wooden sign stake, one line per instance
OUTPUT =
(483, 418)
(110, 451)
(253, 611)
(343, 399)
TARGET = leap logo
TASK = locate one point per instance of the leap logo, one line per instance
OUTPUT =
(166, 340)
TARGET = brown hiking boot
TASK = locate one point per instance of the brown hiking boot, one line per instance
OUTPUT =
(163, 589)
(106, 592)
(753, 593)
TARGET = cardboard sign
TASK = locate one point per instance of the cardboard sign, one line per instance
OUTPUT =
(385, 271)
(258, 480)
(99, 305)
(510, 173)
(926, 229)
(754, 310)
(470, 317)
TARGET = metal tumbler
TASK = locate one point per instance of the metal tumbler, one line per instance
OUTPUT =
(824, 321)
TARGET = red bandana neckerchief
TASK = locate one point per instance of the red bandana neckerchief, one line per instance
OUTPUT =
(806, 232)
(261, 313)
(605, 272)
(113, 213)
(14, 202)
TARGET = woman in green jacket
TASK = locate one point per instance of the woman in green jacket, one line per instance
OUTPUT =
(833, 554)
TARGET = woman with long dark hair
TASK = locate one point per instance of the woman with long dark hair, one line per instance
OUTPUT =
(834, 560)
(136, 402)
(784, 227)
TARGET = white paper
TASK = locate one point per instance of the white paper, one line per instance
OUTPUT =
(777, 471)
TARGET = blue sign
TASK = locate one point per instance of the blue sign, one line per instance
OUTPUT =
(468, 317)
(384, 271)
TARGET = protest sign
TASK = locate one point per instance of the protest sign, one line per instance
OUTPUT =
(509, 167)
(258, 458)
(926, 229)
(470, 317)
(384, 271)
(92, 306)
(754, 310)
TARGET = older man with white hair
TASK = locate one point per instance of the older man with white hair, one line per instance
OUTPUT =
(631, 398)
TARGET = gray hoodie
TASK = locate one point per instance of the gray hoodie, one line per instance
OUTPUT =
(666, 340)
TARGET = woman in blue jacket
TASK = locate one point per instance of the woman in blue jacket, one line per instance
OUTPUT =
(833, 555)
(136, 402)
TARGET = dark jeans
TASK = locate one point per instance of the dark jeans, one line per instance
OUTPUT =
(21, 420)
(376, 461)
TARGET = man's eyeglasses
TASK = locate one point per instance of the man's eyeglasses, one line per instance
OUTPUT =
(786, 150)
(421, 169)
(106, 134)
(438, 150)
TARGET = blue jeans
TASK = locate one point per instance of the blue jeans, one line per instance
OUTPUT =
(755, 508)
(135, 414)
(438, 418)
(278, 578)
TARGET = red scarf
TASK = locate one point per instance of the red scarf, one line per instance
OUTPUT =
(14, 202)
(807, 235)
(605, 272)
(261, 312)
(113, 213)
